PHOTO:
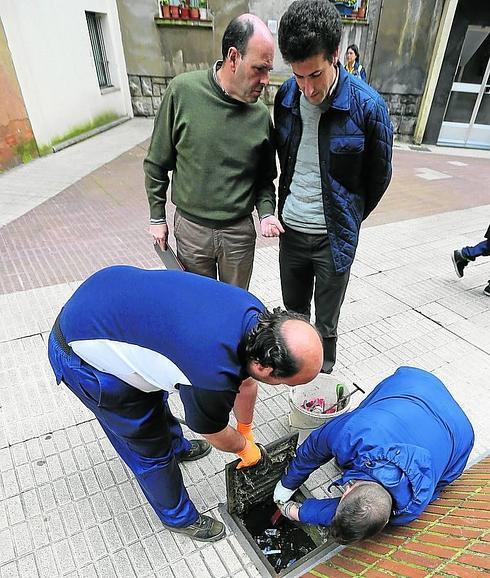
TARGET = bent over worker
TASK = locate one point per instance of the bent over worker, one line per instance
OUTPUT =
(128, 337)
(403, 444)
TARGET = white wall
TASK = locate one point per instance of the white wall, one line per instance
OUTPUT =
(52, 55)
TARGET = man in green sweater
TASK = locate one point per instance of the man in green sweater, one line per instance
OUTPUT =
(216, 136)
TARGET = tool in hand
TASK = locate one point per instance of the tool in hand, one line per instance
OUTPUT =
(169, 258)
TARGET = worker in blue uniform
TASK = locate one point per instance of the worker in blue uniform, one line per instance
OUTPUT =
(128, 337)
(404, 443)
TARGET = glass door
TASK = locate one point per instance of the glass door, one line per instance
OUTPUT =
(467, 116)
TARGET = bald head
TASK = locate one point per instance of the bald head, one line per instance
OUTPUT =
(305, 345)
(283, 348)
(239, 32)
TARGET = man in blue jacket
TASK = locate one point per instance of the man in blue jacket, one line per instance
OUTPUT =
(403, 444)
(334, 140)
(127, 338)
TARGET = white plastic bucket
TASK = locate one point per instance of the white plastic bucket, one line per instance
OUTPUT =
(324, 386)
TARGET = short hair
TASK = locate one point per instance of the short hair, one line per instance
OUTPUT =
(266, 345)
(237, 34)
(355, 50)
(308, 28)
(362, 513)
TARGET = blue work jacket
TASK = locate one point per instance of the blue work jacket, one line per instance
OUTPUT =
(409, 435)
(355, 139)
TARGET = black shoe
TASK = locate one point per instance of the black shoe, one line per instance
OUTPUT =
(199, 449)
(459, 263)
(204, 529)
(486, 291)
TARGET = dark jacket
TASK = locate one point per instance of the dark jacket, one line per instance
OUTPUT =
(409, 435)
(355, 147)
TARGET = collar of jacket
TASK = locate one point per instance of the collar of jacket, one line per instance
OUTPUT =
(341, 100)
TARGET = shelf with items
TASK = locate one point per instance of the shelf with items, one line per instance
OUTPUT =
(184, 13)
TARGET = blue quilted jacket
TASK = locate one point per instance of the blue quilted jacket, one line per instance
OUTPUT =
(355, 146)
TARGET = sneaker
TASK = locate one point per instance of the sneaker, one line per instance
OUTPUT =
(204, 529)
(459, 263)
(486, 291)
(199, 449)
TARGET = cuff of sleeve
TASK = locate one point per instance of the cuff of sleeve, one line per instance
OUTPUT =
(318, 512)
(265, 216)
(162, 221)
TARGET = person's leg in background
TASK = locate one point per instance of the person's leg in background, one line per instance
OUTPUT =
(330, 291)
(296, 271)
(195, 247)
(462, 257)
(235, 249)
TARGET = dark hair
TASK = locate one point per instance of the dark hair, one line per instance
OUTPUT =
(265, 343)
(308, 28)
(362, 513)
(237, 34)
(355, 50)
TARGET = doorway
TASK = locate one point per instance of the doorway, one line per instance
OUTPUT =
(467, 116)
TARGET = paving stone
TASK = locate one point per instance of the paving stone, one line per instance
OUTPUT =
(7, 550)
(122, 564)
(15, 511)
(86, 513)
(27, 567)
(95, 542)
(139, 559)
(105, 568)
(154, 552)
(126, 528)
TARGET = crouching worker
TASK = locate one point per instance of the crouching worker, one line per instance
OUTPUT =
(129, 337)
(403, 444)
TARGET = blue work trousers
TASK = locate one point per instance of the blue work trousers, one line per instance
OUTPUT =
(141, 428)
(480, 250)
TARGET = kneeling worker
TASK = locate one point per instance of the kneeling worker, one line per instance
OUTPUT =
(128, 337)
(403, 444)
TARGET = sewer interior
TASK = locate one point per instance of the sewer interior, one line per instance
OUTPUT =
(282, 544)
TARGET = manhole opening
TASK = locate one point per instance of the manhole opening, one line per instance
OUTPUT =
(283, 549)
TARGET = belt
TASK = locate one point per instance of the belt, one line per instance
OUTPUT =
(60, 338)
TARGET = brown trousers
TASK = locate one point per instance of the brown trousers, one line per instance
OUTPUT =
(226, 253)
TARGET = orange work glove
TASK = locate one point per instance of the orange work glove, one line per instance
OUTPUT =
(250, 455)
(246, 430)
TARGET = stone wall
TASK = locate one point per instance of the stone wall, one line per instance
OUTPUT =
(146, 93)
(403, 112)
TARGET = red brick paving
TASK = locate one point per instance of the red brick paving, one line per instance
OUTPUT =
(102, 219)
(433, 547)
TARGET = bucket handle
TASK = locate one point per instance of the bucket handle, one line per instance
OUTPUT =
(344, 398)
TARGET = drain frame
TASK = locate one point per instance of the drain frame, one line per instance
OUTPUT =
(233, 520)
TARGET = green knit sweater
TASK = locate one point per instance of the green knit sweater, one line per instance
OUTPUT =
(219, 150)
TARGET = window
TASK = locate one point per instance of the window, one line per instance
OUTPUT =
(94, 23)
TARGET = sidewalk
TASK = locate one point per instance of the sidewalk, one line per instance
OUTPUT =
(68, 506)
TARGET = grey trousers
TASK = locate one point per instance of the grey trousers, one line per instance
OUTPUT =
(306, 264)
(226, 253)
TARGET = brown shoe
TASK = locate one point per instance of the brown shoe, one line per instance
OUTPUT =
(204, 529)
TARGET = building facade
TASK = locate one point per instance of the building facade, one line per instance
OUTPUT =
(65, 73)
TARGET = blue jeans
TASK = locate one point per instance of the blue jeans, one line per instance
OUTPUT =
(480, 250)
(141, 428)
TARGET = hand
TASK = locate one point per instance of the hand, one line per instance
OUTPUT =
(282, 494)
(290, 510)
(246, 430)
(250, 455)
(271, 226)
(160, 235)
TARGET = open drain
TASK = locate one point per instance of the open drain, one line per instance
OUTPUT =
(281, 549)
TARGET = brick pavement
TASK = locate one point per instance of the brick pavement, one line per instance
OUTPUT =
(68, 506)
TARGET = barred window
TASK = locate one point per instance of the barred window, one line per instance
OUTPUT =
(94, 23)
